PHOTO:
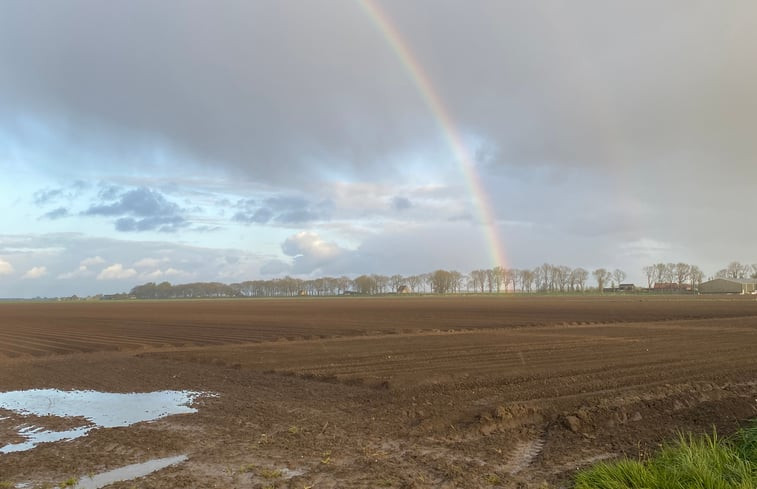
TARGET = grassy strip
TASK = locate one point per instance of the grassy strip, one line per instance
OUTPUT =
(706, 462)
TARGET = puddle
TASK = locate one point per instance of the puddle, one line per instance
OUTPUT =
(100, 409)
(128, 472)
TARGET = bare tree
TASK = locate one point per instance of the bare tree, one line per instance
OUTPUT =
(561, 276)
(618, 275)
(479, 280)
(580, 275)
(382, 283)
(649, 271)
(696, 276)
(458, 279)
(395, 282)
(659, 272)
(510, 277)
(415, 282)
(682, 271)
(498, 275)
(527, 278)
(670, 273)
(737, 270)
(365, 284)
(602, 276)
(489, 280)
(442, 281)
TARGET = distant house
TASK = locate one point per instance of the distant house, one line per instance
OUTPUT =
(729, 286)
(404, 289)
(626, 287)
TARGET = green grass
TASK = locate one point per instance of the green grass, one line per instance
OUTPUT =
(705, 462)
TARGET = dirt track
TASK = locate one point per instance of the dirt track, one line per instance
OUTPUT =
(403, 392)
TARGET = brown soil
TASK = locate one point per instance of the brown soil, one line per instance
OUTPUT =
(385, 392)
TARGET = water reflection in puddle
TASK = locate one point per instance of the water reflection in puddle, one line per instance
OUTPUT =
(100, 409)
(128, 472)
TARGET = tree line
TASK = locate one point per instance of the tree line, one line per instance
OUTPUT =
(545, 278)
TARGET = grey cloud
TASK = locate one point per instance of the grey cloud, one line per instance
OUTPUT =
(259, 216)
(284, 210)
(639, 105)
(284, 203)
(298, 216)
(52, 195)
(167, 224)
(109, 192)
(141, 209)
(275, 267)
(140, 202)
(282, 114)
(58, 213)
(42, 197)
(401, 203)
(541, 83)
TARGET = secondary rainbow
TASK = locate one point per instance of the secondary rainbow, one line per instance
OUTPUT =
(449, 129)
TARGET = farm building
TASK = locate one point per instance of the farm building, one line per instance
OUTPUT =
(729, 286)
(404, 289)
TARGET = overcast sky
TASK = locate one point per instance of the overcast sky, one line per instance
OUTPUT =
(186, 141)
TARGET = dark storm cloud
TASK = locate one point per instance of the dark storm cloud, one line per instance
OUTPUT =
(264, 88)
(141, 209)
(279, 91)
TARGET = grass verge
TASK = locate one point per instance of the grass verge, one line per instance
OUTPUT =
(705, 462)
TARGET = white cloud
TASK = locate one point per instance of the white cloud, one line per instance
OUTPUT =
(163, 274)
(310, 252)
(150, 262)
(151, 276)
(35, 272)
(5, 268)
(172, 272)
(95, 260)
(116, 272)
(311, 245)
(80, 272)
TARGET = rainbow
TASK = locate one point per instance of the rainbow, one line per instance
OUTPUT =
(449, 130)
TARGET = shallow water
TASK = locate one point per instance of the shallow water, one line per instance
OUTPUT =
(100, 409)
(128, 472)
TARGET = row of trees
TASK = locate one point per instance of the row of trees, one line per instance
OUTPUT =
(738, 270)
(544, 278)
(682, 274)
(674, 273)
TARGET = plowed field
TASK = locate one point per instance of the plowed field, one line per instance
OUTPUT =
(385, 392)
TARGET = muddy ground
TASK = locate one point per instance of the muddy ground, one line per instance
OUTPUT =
(384, 392)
